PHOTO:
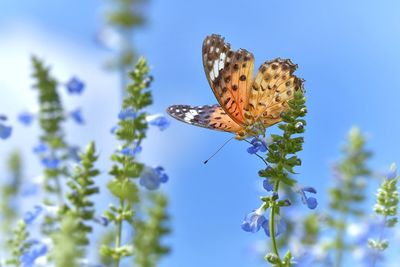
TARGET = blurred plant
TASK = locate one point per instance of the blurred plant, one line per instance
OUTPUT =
(386, 207)
(9, 194)
(19, 244)
(280, 160)
(81, 208)
(131, 130)
(66, 252)
(122, 19)
(348, 193)
(149, 232)
(53, 150)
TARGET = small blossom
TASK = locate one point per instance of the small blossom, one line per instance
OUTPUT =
(127, 114)
(114, 129)
(5, 131)
(161, 173)
(267, 185)
(280, 227)
(101, 220)
(311, 202)
(25, 118)
(76, 115)
(131, 151)
(257, 145)
(75, 86)
(73, 152)
(35, 251)
(51, 162)
(151, 178)
(158, 120)
(40, 148)
(253, 221)
(31, 216)
(392, 172)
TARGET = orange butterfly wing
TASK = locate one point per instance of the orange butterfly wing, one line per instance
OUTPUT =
(211, 117)
(229, 74)
(273, 86)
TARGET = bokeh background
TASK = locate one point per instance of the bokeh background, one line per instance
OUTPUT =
(347, 51)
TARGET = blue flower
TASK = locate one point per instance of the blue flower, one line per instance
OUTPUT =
(35, 251)
(161, 173)
(31, 216)
(40, 148)
(267, 185)
(311, 202)
(127, 114)
(114, 129)
(253, 221)
(101, 220)
(257, 145)
(5, 131)
(158, 120)
(3, 117)
(392, 174)
(131, 151)
(280, 227)
(76, 115)
(73, 152)
(151, 178)
(25, 118)
(51, 163)
(75, 86)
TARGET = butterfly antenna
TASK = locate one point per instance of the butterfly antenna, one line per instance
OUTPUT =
(215, 153)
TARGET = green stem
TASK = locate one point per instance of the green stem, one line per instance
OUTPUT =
(119, 231)
(272, 223)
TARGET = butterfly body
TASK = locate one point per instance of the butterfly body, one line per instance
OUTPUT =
(247, 105)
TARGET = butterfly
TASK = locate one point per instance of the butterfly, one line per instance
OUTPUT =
(247, 105)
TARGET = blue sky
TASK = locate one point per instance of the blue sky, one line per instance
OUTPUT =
(347, 52)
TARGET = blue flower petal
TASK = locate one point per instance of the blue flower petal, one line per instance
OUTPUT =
(40, 148)
(51, 162)
(76, 115)
(252, 222)
(31, 216)
(114, 129)
(101, 220)
(252, 150)
(280, 227)
(25, 118)
(267, 185)
(36, 250)
(128, 113)
(312, 203)
(159, 120)
(309, 189)
(151, 178)
(75, 86)
(131, 151)
(73, 152)
(5, 131)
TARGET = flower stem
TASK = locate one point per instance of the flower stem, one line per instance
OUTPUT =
(272, 223)
(119, 232)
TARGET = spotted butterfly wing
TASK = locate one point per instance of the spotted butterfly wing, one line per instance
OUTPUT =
(229, 74)
(244, 103)
(273, 86)
(211, 117)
